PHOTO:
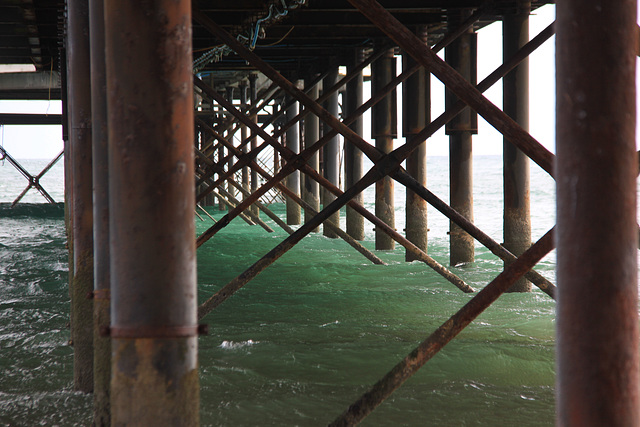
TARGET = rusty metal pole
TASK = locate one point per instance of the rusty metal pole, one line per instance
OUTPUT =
(293, 179)
(384, 130)
(243, 136)
(230, 132)
(101, 260)
(253, 97)
(515, 89)
(221, 204)
(353, 157)
(416, 113)
(461, 56)
(330, 154)
(151, 182)
(78, 51)
(596, 169)
(311, 188)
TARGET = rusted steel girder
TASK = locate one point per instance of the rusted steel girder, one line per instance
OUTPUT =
(151, 182)
(319, 99)
(353, 159)
(379, 170)
(416, 113)
(597, 310)
(515, 90)
(384, 128)
(102, 260)
(80, 140)
(357, 246)
(299, 161)
(444, 334)
(371, 152)
(34, 181)
(454, 82)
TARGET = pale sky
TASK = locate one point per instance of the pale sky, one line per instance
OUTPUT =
(45, 141)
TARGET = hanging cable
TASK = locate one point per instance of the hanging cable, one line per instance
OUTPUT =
(249, 38)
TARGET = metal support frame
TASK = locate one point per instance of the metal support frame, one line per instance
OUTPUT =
(416, 113)
(34, 180)
(150, 99)
(79, 87)
(353, 158)
(101, 259)
(311, 189)
(461, 56)
(293, 180)
(597, 166)
(384, 129)
(331, 151)
(515, 89)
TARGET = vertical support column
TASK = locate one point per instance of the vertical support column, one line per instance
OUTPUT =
(331, 152)
(416, 113)
(384, 130)
(311, 189)
(101, 260)
(597, 237)
(461, 55)
(151, 178)
(353, 157)
(253, 97)
(221, 116)
(243, 136)
(293, 179)
(517, 216)
(80, 140)
(230, 188)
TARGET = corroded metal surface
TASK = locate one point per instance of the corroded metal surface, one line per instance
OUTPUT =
(597, 311)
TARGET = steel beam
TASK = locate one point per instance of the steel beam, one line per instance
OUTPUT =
(461, 56)
(597, 310)
(79, 72)
(311, 190)
(101, 260)
(293, 180)
(416, 113)
(515, 89)
(151, 182)
(353, 158)
(331, 152)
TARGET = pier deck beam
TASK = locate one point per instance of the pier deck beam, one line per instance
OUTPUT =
(384, 130)
(596, 170)
(517, 215)
(461, 56)
(331, 154)
(416, 113)
(154, 331)
(353, 158)
(79, 82)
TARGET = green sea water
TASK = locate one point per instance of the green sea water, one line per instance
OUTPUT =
(305, 338)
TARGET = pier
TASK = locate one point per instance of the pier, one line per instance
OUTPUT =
(173, 107)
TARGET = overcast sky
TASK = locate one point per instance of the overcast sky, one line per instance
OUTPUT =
(45, 141)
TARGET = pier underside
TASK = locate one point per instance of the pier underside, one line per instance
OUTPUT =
(172, 107)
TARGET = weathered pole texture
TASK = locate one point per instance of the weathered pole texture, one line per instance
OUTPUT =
(416, 113)
(253, 97)
(460, 55)
(293, 179)
(384, 129)
(78, 51)
(353, 158)
(243, 136)
(221, 204)
(515, 89)
(151, 182)
(230, 132)
(101, 260)
(596, 170)
(331, 153)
